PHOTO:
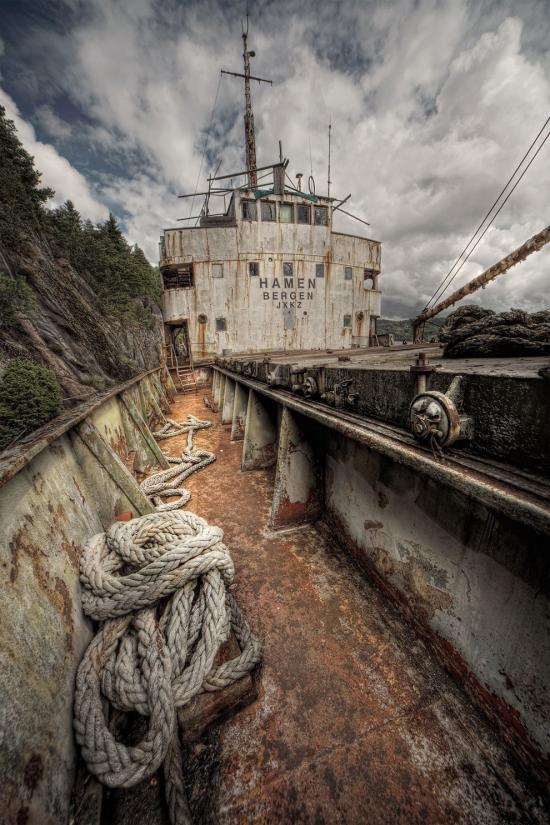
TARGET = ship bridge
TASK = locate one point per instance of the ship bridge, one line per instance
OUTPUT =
(270, 273)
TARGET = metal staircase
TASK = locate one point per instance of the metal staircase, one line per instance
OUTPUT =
(186, 380)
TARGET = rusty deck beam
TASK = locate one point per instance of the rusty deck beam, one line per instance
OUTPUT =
(498, 486)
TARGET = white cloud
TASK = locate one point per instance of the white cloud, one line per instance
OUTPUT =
(56, 170)
(432, 106)
(52, 123)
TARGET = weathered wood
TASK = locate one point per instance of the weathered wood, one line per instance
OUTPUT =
(170, 386)
(112, 464)
(18, 455)
(145, 803)
(145, 431)
(157, 412)
(87, 797)
(210, 709)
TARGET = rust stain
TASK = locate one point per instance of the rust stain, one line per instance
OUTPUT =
(298, 512)
(80, 493)
(496, 709)
(202, 338)
(341, 730)
(73, 553)
(56, 592)
(117, 440)
(38, 483)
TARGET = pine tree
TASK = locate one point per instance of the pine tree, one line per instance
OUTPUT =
(22, 198)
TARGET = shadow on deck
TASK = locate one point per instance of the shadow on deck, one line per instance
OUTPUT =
(356, 722)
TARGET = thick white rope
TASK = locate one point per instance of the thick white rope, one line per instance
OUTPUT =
(168, 482)
(159, 584)
(171, 427)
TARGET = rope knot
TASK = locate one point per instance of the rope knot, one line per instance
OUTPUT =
(159, 584)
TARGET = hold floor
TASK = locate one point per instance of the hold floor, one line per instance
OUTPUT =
(356, 721)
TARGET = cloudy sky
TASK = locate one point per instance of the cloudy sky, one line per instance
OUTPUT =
(433, 103)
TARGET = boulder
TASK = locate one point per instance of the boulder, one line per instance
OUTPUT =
(473, 332)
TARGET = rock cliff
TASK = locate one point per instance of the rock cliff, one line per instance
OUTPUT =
(65, 329)
(74, 297)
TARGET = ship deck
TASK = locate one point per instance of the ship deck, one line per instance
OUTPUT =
(401, 357)
(356, 721)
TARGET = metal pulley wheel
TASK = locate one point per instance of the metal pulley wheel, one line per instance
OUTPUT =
(310, 388)
(432, 414)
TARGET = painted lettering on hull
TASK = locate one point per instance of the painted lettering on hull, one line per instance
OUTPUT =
(291, 293)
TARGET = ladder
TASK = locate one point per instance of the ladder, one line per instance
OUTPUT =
(185, 374)
(187, 379)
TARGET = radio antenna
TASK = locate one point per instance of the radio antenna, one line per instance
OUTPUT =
(328, 178)
(250, 137)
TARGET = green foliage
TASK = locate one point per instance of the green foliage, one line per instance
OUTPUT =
(125, 283)
(120, 275)
(29, 397)
(16, 298)
(21, 196)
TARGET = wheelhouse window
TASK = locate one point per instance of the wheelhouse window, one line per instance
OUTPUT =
(268, 210)
(288, 269)
(285, 213)
(249, 210)
(217, 270)
(319, 270)
(347, 321)
(180, 277)
(253, 268)
(304, 213)
(348, 273)
(320, 216)
(220, 325)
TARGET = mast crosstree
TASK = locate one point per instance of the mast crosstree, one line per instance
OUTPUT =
(249, 134)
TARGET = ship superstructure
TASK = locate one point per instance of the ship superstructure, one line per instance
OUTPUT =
(268, 272)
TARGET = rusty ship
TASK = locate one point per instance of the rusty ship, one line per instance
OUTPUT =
(388, 512)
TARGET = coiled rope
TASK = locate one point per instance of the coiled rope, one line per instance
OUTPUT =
(160, 585)
(171, 427)
(168, 482)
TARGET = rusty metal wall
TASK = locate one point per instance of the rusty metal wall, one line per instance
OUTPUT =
(475, 582)
(469, 572)
(70, 490)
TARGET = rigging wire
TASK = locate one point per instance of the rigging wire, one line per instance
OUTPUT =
(447, 281)
(205, 144)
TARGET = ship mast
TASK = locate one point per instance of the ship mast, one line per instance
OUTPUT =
(249, 134)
